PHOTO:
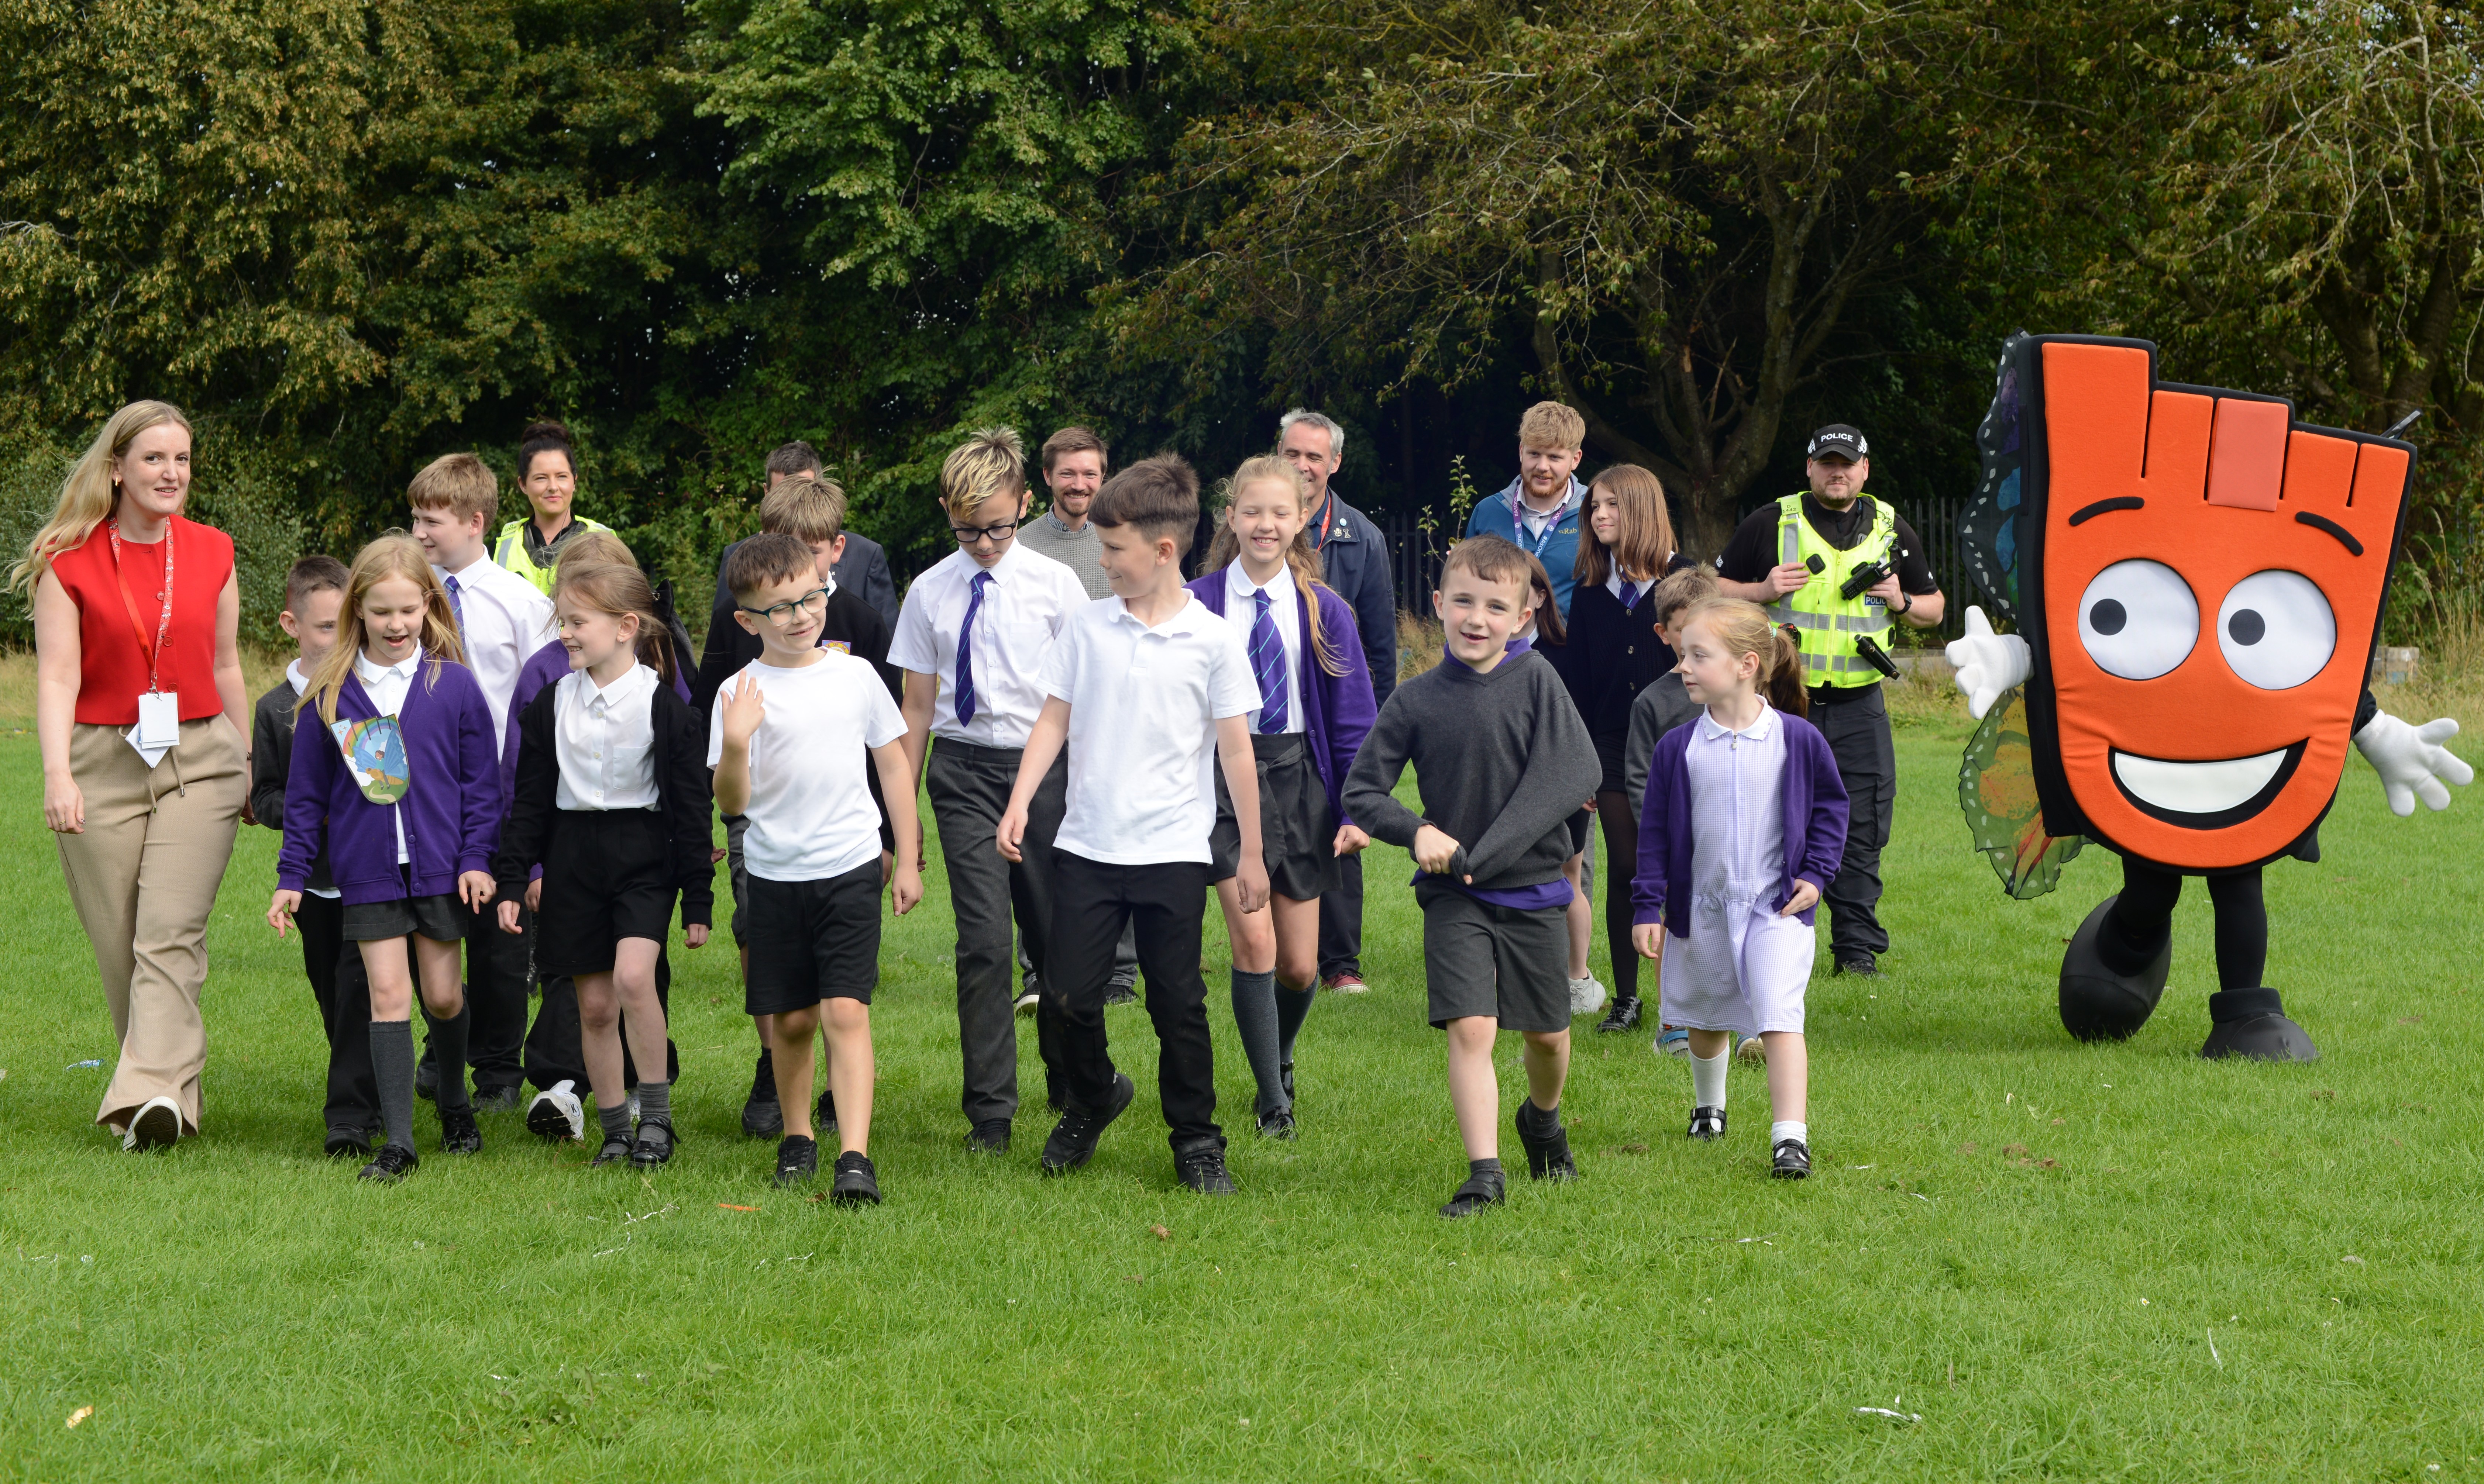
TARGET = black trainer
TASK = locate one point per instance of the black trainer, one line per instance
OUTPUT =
(763, 1117)
(1479, 1191)
(1073, 1139)
(614, 1151)
(1279, 1124)
(392, 1164)
(458, 1133)
(1202, 1167)
(856, 1184)
(1622, 1017)
(655, 1143)
(1548, 1150)
(2253, 1023)
(992, 1136)
(797, 1160)
(824, 1115)
(1792, 1160)
(1707, 1122)
(348, 1141)
(1860, 967)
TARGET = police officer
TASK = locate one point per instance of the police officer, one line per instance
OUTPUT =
(1794, 557)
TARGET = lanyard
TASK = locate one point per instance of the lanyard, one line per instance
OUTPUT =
(1518, 523)
(164, 623)
(1328, 513)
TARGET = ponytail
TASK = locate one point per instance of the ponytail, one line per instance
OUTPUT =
(1743, 628)
(617, 588)
(1785, 688)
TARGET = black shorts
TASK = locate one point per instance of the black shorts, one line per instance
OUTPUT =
(1507, 963)
(1611, 754)
(1583, 825)
(813, 940)
(608, 876)
(1297, 833)
(443, 919)
(734, 827)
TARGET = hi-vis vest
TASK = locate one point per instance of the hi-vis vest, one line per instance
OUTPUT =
(1828, 624)
(511, 552)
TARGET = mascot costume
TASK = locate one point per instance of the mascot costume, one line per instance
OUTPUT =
(2198, 582)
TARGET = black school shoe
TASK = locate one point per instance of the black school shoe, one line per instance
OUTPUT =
(654, 1145)
(392, 1164)
(614, 1151)
(2253, 1023)
(1548, 1149)
(1858, 966)
(1707, 1122)
(824, 1115)
(1622, 1017)
(507, 1099)
(761, 1116)
(458, 1132)
(342, 1141)
(1479, 1191)
(1202, 1167)
(855, 1184)
(1792, 1160)
(426, 1080)
(992, 1136)
(797, 1160)
(1277, 1124)
(1073, 1139)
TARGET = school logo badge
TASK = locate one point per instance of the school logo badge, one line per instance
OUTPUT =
(374, 752)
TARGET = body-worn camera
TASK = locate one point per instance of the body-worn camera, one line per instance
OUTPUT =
(1864, 578)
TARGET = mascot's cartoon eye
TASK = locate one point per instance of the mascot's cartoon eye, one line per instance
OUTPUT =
(2138, 619)
(2277, 630)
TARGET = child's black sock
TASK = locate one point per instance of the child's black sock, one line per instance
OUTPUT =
(1293, 1008)
(1254, 1016)
(392, 1068)
(448, 1040)
(655, 1102)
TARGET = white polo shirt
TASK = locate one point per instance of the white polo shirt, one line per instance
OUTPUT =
(504, 621)
(1026, 603)
(1284, 610)
(811, 811)
(1144, 704)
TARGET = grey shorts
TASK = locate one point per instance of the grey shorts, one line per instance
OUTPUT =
(443, 919)
(1504, 962)
(1297, 835)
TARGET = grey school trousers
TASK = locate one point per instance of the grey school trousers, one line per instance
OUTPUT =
(969, 786)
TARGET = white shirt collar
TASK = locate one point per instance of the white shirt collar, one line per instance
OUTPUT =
(294, 677)
(1184, 620)
(1710, 729)
(633, 682)
(403, 669)
(1238, 583)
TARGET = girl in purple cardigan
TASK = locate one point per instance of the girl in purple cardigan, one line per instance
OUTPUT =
(1316, 705)
(393, 753)
(1743, 826)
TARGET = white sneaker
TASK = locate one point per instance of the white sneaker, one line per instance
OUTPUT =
(1586, 996)
(1027, 1002)
(556, 1114)
(1752, 1050)
(156, 1125)
(633, 1110)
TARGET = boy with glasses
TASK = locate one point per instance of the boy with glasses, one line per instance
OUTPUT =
(971, 638)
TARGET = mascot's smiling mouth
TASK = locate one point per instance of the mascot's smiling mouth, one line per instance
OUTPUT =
(2206, 795)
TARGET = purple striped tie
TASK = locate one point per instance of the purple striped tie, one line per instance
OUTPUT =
(1268, 664)
(966, 651)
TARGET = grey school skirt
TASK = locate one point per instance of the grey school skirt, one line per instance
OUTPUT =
(1297, 833)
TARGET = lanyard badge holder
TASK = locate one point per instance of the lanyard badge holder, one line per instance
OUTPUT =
(159, 710)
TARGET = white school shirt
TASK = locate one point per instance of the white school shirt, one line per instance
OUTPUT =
(1737, 808)
(1025, 605)
(1284, 610)
(504, 620)
(811, 812)
(387, 688)
(300, 683)
(1144, 704)
(604, 738)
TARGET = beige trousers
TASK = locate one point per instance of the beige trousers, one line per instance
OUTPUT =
(144, 878)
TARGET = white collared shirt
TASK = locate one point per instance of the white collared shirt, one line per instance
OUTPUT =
(1144, 704)
(1284, 610)
(385, 685)
(1736, 807)
(604, 737)
(300, 683)
(1025, 607)
(505, 621)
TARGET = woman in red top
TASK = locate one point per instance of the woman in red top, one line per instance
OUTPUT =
(139, 711)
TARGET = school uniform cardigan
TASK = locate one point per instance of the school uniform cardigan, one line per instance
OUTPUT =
(1815, 824)
(451, 811)
(680, 764)
(1613, 654)
(1337, 710)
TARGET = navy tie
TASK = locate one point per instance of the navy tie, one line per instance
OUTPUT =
(1268, 664)
(1629, 596)
(457, 605)
(966, 651)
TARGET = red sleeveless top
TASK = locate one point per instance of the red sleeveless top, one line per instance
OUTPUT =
(112, 667)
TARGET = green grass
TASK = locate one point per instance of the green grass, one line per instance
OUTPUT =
(242, 1308)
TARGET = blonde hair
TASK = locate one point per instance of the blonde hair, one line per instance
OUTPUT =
(1743, 628)
(806, 507)
(1551, 425)
(88, 495)
(1685, 588)
(1645, 542)
(991, 465)
(1301, 556)
(395, 554)
(460, 481)
(591, 548)
(621, 589)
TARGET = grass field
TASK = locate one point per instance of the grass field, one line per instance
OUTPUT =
(2071, 1262)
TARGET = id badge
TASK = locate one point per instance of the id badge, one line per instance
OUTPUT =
(159, 720)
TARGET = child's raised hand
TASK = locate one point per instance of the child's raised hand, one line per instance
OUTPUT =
(509, 915)
(1806, 897)
(1434, 849)
(280, 908)
(695, 936)
(746, 706)
(1350, 840)
(907, 890)
(1649, 939)
(475, 888)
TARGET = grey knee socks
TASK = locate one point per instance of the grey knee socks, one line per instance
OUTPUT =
(1254, 1016)
(392, 1068)
(656, 1101)
(1293, 1007)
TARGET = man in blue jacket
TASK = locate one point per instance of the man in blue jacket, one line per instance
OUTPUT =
(1355, 563)
(1541, 509)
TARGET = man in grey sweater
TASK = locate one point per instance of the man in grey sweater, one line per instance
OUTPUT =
(1074, 462)
(1503, 760)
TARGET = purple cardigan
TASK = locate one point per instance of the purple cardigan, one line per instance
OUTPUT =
(542, 668)
(1815, 824)
(1337, 710)
(451, 813)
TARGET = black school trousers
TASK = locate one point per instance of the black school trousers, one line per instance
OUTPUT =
(337, 982)
(1164, 903)
(1856, 727)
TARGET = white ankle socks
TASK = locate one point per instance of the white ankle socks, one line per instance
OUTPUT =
(1787, 1129)
(1708, 1079)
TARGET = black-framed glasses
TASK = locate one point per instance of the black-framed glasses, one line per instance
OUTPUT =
(815, 600)
(998, 530)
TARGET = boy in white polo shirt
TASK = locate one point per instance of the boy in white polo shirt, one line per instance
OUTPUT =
(790, 740)
(971, 639)
(1150, 691)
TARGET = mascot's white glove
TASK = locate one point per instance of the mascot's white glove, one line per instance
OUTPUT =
(2412, 761)
(1989, 664)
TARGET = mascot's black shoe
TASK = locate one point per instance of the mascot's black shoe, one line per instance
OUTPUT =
(2099, 1001)
(2253, 1023)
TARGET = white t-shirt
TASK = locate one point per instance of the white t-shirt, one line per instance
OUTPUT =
(811, 813)
(504, 621)
(1284, 610)
(1144, 704)
(1025, 604)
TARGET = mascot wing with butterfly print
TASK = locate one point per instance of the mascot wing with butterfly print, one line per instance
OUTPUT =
(2198, 581)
